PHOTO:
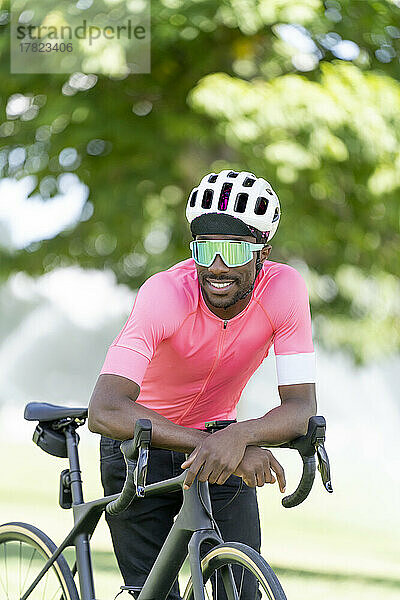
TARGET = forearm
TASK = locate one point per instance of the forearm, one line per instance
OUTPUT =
(118, 421)
(281, 424)
(166, 434)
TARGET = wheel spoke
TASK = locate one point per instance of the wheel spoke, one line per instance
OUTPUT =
(5, 587)
(253, 577)
(5, 591)
(207, 592)
(29, 566)
(20, 568)
(6, 566)
(241, 583)
(46, 579)
(229, 583)
(23, 556)
(56, 592)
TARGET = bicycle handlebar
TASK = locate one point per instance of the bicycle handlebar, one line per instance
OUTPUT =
(305, 485)
(308, 445)
(135, 453)
(136, 450)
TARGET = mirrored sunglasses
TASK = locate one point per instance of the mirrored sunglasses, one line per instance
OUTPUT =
(233, 253)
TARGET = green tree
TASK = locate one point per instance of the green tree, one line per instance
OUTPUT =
(303, 92)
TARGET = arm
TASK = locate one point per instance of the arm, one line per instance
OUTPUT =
(113, 412)
(231, 450)
(285, 422)
(289, 313)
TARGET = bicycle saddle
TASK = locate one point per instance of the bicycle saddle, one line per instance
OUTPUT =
(42, 411)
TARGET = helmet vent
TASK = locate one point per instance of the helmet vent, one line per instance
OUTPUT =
(212, 178)
(270, 192)
(224, 197)
(241, 202)
(276, 215)
(261, 206)
(232, 174)
(248, 182)
(193, 199)
(207, 199)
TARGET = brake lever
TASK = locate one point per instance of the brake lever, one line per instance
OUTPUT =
(141, 470)
(308, 445)
(323, 466)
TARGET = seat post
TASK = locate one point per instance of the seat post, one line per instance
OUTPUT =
(81, 541)
(74, 466)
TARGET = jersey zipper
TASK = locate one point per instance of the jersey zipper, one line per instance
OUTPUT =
(211, 373)
(218, 356)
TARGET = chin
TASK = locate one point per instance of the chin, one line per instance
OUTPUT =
(227, 301)
(221, 302)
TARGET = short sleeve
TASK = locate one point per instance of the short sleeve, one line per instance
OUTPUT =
(293, 344)
(293, 333)
(154, 317)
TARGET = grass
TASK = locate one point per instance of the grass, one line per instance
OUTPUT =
(325, 548)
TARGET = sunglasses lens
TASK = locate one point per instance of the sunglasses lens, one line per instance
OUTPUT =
(203, 253)
(232, 253)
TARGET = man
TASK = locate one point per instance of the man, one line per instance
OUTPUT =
(196, 334)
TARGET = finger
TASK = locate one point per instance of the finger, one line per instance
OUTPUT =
(190, 459)
(250, 481)
(191, 473)
(280, 473)
(269, 478)
(224, 476)
(206, 471)
(186, 464)
(215, 475)
(260, 478)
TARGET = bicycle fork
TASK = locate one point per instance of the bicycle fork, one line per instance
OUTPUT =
(195, 565)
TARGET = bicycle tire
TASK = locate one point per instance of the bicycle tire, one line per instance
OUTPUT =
(24, 550)
(237, 555)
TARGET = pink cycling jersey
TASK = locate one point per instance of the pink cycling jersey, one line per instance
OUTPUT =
(191, 365)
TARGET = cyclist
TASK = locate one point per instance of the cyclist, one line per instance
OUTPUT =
(196, 334)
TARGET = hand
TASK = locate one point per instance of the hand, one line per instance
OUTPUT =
(255, 468)
(216, 458)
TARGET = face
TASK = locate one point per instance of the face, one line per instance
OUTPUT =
(227, 290)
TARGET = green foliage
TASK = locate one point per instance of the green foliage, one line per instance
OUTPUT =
(228, 87)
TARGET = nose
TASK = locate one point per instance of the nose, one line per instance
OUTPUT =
(218, 266)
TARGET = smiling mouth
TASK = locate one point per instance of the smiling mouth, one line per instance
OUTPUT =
(219, 285)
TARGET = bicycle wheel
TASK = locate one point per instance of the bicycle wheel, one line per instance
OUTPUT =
(24, 550)
(247, 564)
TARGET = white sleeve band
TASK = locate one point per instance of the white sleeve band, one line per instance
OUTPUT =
(295, 368)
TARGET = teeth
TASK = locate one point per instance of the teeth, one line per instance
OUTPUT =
(220, 285)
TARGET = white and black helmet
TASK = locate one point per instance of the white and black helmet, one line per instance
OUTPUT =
(242, 195)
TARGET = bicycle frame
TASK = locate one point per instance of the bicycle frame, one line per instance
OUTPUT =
(190, 530)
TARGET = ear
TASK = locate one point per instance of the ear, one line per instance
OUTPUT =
(265, 252)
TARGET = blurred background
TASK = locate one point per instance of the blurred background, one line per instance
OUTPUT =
(95, 170)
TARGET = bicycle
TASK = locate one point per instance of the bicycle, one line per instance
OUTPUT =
(32, 566)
